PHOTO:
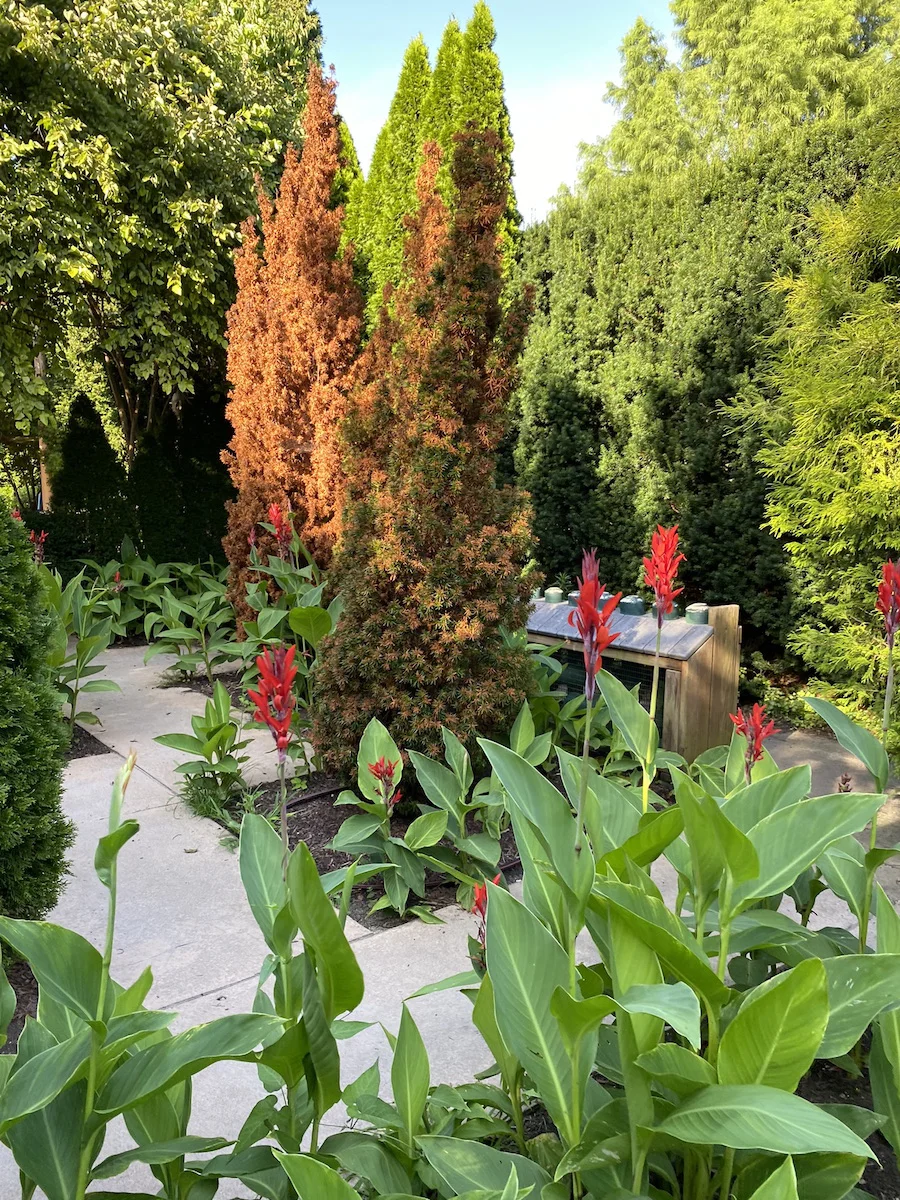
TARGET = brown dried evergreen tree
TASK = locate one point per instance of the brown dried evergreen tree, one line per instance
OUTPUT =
(432, 555)
(293, 334)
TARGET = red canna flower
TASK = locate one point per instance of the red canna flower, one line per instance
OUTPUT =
(251, 538)
(888, 602)
(755, 729)
(284, 534)
(591, 621)
(661, 568)
(16, 515)
(479, 906)
(37, 541)
(275, 699)
(117, 582)
(384, 771)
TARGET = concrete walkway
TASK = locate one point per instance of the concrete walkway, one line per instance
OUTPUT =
(182, 910)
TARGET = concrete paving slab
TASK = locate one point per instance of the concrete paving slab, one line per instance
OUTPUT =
(132, 718)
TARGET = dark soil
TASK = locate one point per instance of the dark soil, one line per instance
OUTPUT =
(314, 819)
(230, 680)
(26, 989)
(84, 744)
(131, 639)
(828, 1084)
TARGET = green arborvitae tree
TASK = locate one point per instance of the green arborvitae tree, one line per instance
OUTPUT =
(34, 835)
(832, 447)
(92, 511)
(376, 209)
(479, 101)
(440, 118)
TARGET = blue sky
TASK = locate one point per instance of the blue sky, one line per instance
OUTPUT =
(556, 58)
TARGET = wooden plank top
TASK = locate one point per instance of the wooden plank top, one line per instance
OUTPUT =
(638, 634)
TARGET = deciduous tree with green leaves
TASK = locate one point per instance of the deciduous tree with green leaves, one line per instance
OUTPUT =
(129, 135)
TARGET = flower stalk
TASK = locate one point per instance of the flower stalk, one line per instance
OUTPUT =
(660, 571)
(591, 622)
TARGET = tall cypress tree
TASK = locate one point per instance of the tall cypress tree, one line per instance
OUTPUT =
(440, 118)
(293, 335)
(375, 222)
(431, 560)
(479, 100)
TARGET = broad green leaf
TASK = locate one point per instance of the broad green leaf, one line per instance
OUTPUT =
(156, 1154)
(665, 933)
(748, 806)
(526, 965)
(361, 1154)
(442, 787)
(463, 979)
(860, 986)
(630, 718)
(260, 857)
(885, 1080)
(522, 733)
(340, 975)
(376, 743)
(325, 1084)
(47, 1144)
(180, 741)
(159, 1067)
(577, 1018)
(108, 849)
(426, 830)
(677, 1068)
(774, 1038)
(544, 807)
(311, 623)
(484, 1018)
(843, 866)
(781, 1184)
(410, 1074)
(657, 832)
(819, 1176)
(40, 1079)
(867, 748)
(675, 1003)
(314, 1180)
(7, 1001)
(791, 839)
(466, 1165)
(751, 1117)
(67, 966)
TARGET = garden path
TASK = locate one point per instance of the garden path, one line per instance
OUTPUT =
(182, 908)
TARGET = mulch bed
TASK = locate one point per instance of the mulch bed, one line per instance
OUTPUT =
(84, 744)
(230, 680)
(26, 989)
(314, 819)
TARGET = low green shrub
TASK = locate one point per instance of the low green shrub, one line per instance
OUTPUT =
(34, 835)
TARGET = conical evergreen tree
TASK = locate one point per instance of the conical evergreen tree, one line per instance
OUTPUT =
(293, 335)
(479, 101)
(375, 224)
(431, 560)
(439, 112)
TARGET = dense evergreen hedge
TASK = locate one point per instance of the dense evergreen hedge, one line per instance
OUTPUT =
(34, 835)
